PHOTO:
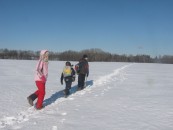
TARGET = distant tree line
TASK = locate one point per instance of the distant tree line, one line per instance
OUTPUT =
(93, 54)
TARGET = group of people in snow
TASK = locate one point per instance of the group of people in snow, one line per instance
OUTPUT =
(68, 76)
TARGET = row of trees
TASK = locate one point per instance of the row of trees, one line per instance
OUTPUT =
(93, 54)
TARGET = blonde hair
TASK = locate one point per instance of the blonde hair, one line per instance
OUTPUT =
(46, 56)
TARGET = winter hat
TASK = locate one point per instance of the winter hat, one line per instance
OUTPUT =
(68, 63)
(42, 55)
(42, 52)
(85, 56)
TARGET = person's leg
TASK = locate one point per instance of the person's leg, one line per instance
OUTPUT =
(81, 81)
(41, 94)
(68, 87)
(32, 97)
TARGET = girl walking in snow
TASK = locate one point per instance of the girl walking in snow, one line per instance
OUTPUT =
(40, 80)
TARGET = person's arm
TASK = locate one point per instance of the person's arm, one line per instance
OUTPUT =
(45, 69)
(87, 65)
(62, 77)
(39, 68)
(73, 72)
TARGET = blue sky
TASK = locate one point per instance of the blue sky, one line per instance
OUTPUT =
(115, 26)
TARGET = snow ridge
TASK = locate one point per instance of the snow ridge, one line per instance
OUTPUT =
(117, 74)
(23, 116)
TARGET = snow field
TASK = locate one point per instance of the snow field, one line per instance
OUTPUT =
(120, 96)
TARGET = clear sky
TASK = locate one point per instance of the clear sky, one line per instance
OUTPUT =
(115, 26)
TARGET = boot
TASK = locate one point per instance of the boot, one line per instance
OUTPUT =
(39, 108)
(66, 92)
(31, 98)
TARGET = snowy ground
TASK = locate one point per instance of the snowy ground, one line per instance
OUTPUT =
(119, 96)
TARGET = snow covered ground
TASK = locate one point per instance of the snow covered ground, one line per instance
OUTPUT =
(119, 96)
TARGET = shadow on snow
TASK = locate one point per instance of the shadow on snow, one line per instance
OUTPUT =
(60, 94)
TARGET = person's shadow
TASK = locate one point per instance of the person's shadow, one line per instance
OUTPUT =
(60, 94)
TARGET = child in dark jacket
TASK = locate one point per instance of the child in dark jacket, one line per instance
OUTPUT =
(83, 71)
(68, 75)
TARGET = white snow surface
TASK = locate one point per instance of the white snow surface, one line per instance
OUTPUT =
(118, 96)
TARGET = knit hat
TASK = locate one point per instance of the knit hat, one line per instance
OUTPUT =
(85, 56)
(68, 63)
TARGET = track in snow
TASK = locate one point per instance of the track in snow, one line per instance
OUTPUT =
(58, 97)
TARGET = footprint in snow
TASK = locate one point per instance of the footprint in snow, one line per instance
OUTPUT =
(16, 127)
(64, 114)
(71, 98)
(54, 128)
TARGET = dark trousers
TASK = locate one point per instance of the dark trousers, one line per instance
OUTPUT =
(68, 83)
(81, 81)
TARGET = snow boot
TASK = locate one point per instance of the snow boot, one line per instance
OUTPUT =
(66, 92)
(80, 88)
(39, 107)
(31, 98)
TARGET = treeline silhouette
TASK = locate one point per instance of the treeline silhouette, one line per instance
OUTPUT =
(93, 54)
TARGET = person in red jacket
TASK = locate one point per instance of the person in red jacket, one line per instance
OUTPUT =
(40, 80)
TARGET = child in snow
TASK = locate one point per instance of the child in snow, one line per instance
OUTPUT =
(40, 80)
(83, 71)
(68, 75)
